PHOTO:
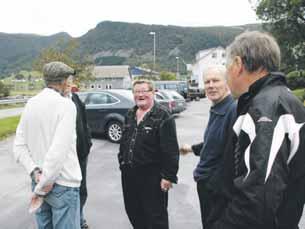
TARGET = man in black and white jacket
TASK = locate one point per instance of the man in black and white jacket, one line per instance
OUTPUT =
(268, 164)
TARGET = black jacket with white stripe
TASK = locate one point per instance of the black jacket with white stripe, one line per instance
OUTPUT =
(268, 167)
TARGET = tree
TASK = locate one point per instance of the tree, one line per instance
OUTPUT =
(286, 21)
(19, 76)
(167, 76)
(68, 54)
(4, 90)
(296, 79)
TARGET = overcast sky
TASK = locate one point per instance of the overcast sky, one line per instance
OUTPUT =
(46, 17)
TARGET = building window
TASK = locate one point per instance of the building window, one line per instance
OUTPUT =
(92, 86)
(108, 86)
(214, 55)
(223, 55)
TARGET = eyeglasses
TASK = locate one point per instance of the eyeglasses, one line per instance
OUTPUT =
(141, 92)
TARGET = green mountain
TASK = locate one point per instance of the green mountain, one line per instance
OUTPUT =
(17, 51)
(121, 43)
(134, 45)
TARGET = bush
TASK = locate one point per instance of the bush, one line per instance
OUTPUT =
(4, 90)
(300, 93)
(296, 79)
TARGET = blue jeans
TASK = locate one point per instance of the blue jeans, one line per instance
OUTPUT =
(60, 209)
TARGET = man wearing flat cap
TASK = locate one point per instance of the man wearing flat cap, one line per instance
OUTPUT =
(45, 145)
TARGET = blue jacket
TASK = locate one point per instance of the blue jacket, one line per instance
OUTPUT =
(222, 117)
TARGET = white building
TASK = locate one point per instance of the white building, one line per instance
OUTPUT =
(204, 59)
(111, 77)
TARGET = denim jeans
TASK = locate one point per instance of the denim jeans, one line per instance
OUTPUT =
(60, 209)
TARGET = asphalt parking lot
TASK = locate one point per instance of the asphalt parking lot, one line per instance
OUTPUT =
(105, 207)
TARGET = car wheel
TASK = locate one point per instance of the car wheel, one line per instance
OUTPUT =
(114, 131)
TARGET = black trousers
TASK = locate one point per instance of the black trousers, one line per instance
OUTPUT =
(83, 193)
(211, 204)
(145, 202)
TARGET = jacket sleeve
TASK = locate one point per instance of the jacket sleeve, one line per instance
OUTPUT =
(21, 151)
(82, 129)
(122, 143)
(263, 148)
(169, 149)
(197, 148)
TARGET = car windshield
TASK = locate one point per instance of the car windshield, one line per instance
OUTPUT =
(82, 96)
(127, 93)
(159, 97)
(174, 95)
(165, 94)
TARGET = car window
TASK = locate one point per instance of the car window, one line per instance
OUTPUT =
(101, 98)
(165, 94)
(176, 95)
(171, 86)
(82, 97)
(159, 97)
(127, 94)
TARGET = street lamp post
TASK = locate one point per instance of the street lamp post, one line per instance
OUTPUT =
(177, 74)
(154, 35)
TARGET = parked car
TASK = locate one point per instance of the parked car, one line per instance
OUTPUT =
(167, 102)
(179, 86)
(106, 110)
(172, 99)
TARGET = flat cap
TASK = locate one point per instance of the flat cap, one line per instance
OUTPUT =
(57, 71)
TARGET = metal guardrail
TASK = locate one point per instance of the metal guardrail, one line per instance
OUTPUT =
(13, 101)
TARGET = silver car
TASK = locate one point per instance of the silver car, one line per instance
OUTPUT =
(171, 99)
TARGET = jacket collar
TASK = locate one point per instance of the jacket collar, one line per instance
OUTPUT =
(221, 107)
(152, 111)
(273, 78)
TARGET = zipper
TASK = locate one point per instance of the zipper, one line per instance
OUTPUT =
(131, 146)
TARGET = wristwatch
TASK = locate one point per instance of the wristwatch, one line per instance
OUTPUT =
(34, 173)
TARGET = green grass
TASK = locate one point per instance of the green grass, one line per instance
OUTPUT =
(9, 106)
(8, 126)
(25, 92)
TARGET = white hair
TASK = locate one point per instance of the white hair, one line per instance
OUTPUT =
(218, 69)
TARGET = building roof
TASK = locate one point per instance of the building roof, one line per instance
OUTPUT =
(142, 71)
(111, 71)
(206, 52)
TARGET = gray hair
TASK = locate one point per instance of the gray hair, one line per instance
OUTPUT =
(218, 69)
(144, 81)
(257, 50)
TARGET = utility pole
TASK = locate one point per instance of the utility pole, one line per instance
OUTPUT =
(177, 74)
(154, 50)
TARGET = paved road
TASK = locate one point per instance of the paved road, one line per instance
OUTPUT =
(10, 112)
(105, 207)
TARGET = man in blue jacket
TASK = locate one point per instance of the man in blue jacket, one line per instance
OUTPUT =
(211, 151)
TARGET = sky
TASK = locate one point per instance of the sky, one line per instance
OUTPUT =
(77, 17)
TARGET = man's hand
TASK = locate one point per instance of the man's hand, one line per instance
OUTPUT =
(185, 149)
(35, 175)
(36, 202)
(47, 188)
(165, 185)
